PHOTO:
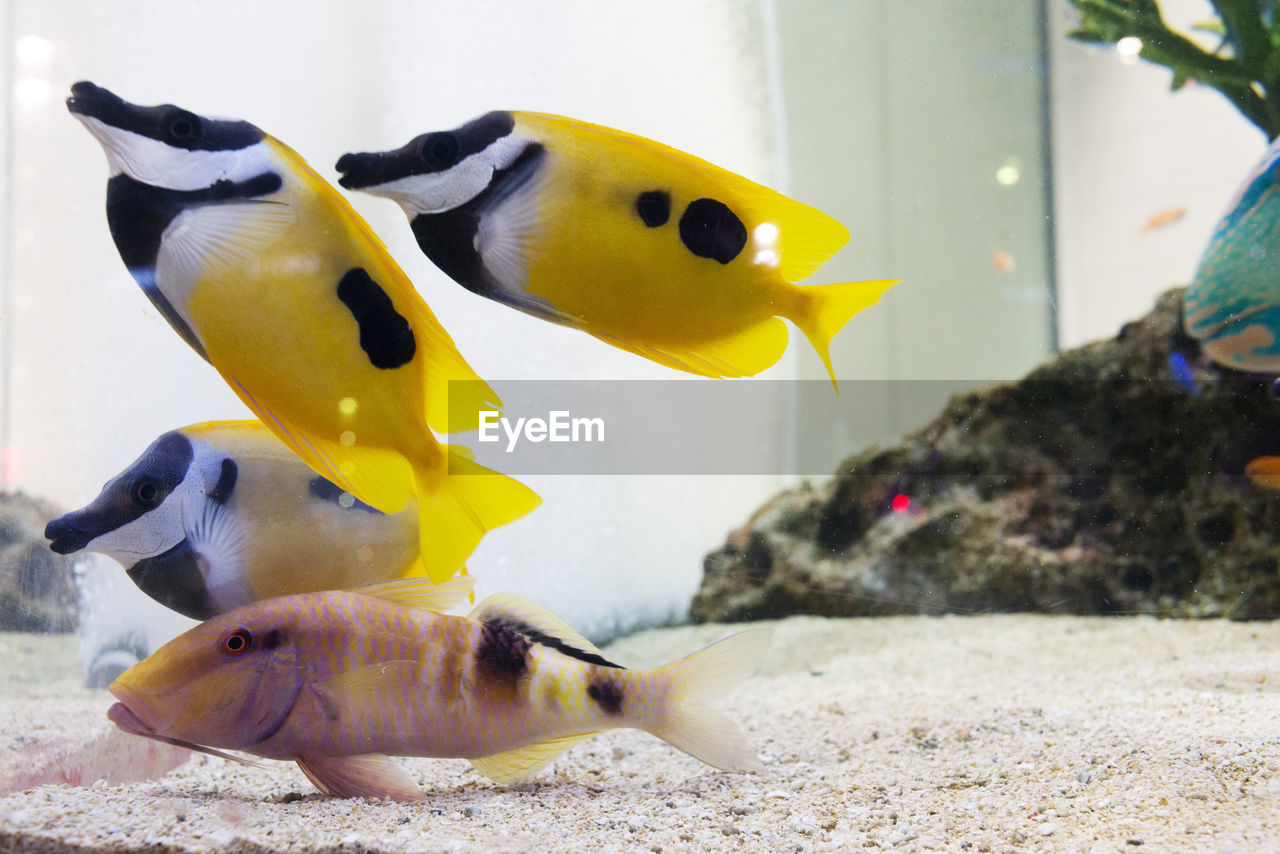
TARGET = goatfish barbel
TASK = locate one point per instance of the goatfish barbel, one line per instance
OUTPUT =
(645, 247)
(218, 515)
(271, 276)
(339, 681)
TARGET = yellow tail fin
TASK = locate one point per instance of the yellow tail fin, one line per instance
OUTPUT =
(823, 310)
(693, 684)
(456, 509)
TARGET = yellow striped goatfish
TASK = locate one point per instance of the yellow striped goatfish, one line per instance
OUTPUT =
(337, 681)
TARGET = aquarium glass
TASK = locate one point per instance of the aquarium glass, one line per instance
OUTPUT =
(1029, 192)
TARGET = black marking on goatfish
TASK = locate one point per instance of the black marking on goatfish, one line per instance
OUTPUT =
(503, 655)
(608, 695)
(385, 336)
(551, 641)
(449, 238)
(709, 229)
(327, 490)
(164, 464)
(174, 580)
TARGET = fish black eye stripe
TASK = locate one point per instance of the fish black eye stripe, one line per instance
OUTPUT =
(166, 123)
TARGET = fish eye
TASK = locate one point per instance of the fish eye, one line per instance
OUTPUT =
(145, 492)
(182, 126)
(439, 150)
(235, 642)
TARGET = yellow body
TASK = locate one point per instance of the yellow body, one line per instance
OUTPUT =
(295, 542)
(590, 256)
(274, 327)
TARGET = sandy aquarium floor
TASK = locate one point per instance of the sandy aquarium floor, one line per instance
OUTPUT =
(993, 733)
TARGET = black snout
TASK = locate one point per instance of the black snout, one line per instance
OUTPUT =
(88, 99)
(64, 537)
(361, 170)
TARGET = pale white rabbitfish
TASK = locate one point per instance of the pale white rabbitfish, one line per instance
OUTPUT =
(339, 681)
(218, 515)
(269, 274)
(643, 246)
(1233, 303)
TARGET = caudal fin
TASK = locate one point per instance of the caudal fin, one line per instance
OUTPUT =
(458, 505)
(823, 310)
(693, 684)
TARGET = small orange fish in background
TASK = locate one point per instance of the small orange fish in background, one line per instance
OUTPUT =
(338, 681)
(1162, 219)
(1264, 471)
(1003, 262)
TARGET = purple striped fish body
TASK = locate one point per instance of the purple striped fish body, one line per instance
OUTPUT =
(338, 681)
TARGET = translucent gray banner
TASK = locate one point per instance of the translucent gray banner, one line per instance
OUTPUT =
(679, 427)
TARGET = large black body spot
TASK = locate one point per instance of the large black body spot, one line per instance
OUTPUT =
(608, 695)
(385, 336)
(174, 580)
(709, 229)
(502, 654)
(327, 490)
(654, 207)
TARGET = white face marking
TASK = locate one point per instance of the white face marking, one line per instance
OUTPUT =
(437, 192)
(161, 165)
(154, 532)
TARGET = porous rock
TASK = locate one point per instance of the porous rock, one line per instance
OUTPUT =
(1098, 484)
(37, 587)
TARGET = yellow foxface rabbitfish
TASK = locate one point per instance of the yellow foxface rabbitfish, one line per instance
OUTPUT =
(269, 274)
(643, 246)
(219, 515)
(339, 681)
(1233, 303)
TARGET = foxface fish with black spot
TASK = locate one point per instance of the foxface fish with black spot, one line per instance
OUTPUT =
(643, 246)
(339, 681)
(218, 515)
(270, 275)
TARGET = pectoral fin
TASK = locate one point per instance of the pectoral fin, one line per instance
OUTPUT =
(516, 765)
(370, 775)
(363, 691)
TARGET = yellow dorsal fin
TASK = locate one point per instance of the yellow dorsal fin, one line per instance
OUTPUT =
(521, 763)
(417, 592)
(518, 613)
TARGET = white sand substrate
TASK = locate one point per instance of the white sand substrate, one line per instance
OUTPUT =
(988, 733)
